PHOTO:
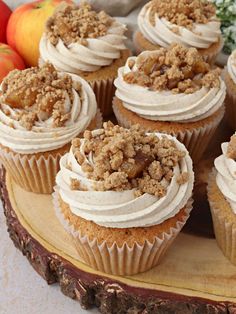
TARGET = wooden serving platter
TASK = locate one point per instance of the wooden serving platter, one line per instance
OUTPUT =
(193, 277)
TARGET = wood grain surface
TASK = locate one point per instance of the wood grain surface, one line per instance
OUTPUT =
(194, 277)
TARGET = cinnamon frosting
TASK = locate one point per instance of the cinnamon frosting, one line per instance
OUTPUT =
(122, 209)
(84, 51)
(166, 104)
(43, 136)
(226, 176)
(164, 32)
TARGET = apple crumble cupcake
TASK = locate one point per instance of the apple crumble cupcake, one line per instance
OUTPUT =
(192, 23)
(41, 111)
(124, 195)
(172, 91)
(81, 41)
(229, 75)
(222, 199)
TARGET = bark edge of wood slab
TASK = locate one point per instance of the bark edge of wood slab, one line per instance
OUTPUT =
(110, 296)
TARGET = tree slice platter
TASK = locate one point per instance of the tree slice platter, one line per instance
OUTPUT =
(194, 276)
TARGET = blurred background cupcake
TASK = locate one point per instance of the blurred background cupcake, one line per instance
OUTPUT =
(222, 199)
(41, 111)
(81, 41)
(124, 195)
(192, 23)
(229, 76)
(172, 91)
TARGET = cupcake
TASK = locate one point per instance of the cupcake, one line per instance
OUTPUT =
(229, 75)
(192, 23)
(172, 91)
(124, 195)
(41, 111)
(222, 199)
(81, 41)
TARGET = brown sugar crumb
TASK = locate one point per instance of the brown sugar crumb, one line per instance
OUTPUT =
(38, 94)
(231, 151)
(183, 178)
(182, 12)
(129, 159)
(76, 185)
(11, 125)
(79, 157)
(73, 24)
(179, 69)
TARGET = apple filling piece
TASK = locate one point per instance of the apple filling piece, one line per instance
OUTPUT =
(118, 159)
(37, 94)
(179, 69)
(73, 24)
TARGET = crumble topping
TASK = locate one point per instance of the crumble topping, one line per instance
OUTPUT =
(129, 159)
(73, 24)
(37, 94)
(76, 185)
(231, 151)
(179, 69)
(182, 12)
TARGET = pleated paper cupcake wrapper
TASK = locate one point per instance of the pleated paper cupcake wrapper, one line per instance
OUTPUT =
(230, 103)
(123, 260)
(225, 232)
(34, 174)
(104, 91)
(195, 140)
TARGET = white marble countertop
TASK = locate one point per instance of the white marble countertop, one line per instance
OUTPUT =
(22, 290)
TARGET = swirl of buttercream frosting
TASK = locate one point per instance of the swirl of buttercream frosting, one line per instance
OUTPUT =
(231, 66)
(121, 209)
(226, 176)
(165, 105)
(163, 34)
(75, 57)
(43, 136)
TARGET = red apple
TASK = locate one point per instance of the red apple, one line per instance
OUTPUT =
(26, 25)
(9, 60)
(5, 13)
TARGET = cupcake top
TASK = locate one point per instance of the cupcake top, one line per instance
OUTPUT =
(79, 39)
(173, 84)
(192, 23)
(124, 178)
(231, 66)
(226, 171)
(42, 110)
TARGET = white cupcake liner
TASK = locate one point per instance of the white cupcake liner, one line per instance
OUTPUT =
(104, 91)
(195, 140)
(123, 260)
(225, 231)
(35, 173)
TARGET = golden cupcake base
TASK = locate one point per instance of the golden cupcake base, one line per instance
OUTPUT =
(193, 275)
